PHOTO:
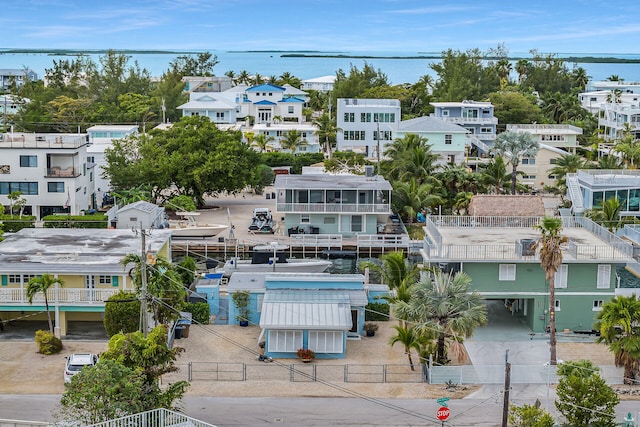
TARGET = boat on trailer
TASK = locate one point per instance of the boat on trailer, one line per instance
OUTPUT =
(188, 227)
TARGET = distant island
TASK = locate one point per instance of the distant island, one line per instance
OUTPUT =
(75, 52)
(576, 59)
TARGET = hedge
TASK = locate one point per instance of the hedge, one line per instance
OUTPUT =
(13, 224)
(76, 221)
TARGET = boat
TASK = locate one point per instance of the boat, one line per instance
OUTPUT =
(188, 227)
(262, 260)
(262, 221)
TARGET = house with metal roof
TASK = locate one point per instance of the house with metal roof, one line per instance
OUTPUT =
(498, 253)
(320, 311)
(140, 214)
(87, 260)
(348, 205)
(475, 116)
(446, 139)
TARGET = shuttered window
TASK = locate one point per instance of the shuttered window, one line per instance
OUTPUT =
(507, 272)
(326, 341)
(561, 276)
(284, 341)
(604, 276)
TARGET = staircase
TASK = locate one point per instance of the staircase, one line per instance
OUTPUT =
(574, 193)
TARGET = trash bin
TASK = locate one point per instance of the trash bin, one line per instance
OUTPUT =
(268, 196)
(185, 331)
(178, 332)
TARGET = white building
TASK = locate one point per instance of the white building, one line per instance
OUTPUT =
(321, 84)
(51, 170)
(625, 87)
(559, 136)
(10, 105)
(101, 137)
(366, 125)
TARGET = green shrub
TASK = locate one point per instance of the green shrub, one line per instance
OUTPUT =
(376, 311)
(76, 221)
(15, 224)
(48, 343)
(122, 313)
(199, 312)
(182, 203)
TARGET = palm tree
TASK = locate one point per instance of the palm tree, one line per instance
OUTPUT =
(243, 78)
(580, 78)
(410, 156)
(614, 78)
(327, 131)
(43, 284)
(515, 145)
(411, 197)
(291, 140)
(522, 68)
(609, 162)
(503, 69)
(288, 78)
(609, 215)
(262, 140)
(619, 326)
(548, 247)
(494, 175)
(409, 338)
(446, 306)
(567, 163)
(394, 270)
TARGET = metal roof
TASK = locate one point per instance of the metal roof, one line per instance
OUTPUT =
(429, 124)
(266, 87)
(306, 309)
(331, 182)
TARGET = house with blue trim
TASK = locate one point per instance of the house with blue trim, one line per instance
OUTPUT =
(477, 117)
(320, 311)
(446, 139)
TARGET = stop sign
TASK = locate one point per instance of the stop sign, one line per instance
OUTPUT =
(443, 413)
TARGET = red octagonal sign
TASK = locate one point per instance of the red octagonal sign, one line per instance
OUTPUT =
(443, 413)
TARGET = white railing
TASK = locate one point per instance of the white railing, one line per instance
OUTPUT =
(469, 120)
(334, 207)
(383, 241)
(328, 241)
(65, 296)
(630, 177)
(575, 195)
(155, 418)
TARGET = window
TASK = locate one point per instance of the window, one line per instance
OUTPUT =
(304, 218)
(104, 280)
(604, 276)
(354, 135)
(28, 161)
(557, 304)
(486, 130)
(284, 341)
(55, 187)
(326, 341)
(445, 113)
(529, 177)
(290, 109)
(329, 220)
(14, 279)
(507, 272)
(528, 161)
(27, 188)
(448, 139)
(385, 135)
(384, 117)
(356, 223)
(597, 305)
(133, 219)
(469, 114)
(365, 117)
(560, 278)
(349, 117)
(220, 115)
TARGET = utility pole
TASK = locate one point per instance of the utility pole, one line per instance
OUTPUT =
(144, 317)
(507, 386)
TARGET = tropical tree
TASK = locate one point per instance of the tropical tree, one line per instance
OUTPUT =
(550, 252)
(16, 201)
(411, 197)
(409, 338)
(567, 163)
(494, 175)
(262, 140)
(446, 306)
(409, 156)
(619, 326)
(609, 215)
(394, 270)
(43, 284)
(327, 131)
(291, 140)
(609, 162)
(514, 146)
(529, 416)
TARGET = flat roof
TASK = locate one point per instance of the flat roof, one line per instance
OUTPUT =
(75, 251)
(331, 182)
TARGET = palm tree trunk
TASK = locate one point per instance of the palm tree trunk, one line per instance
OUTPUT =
(440, 352)
(552, 322)
(629, 375)
(46, 304)
(408, 351)
(513, 179)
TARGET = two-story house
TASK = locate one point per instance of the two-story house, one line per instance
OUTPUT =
(477, 117)
(52, 171)
(333, 204)
(589, 188)
(367, 125)
(448, 140)
(17, 75)
(101, 137)
(87, 261)
(498, 254)
(321, 84)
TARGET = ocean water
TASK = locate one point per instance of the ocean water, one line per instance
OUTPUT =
(399, 67)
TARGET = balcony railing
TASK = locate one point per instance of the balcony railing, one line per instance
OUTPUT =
(66, 296)
(60, 172)
(469, 120)
(610, 178)
(334, 207)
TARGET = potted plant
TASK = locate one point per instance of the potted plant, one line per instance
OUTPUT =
(306, 354)
(370, 328)
(241, 301)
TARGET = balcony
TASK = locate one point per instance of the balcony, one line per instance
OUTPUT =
(468, 120)
(62, 172)
(66, 296)
(337, 207)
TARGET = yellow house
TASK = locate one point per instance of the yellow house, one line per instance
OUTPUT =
(86, 260)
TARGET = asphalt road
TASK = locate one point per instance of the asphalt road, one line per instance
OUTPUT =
(228, 412)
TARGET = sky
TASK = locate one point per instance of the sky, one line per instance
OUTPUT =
(551, 26)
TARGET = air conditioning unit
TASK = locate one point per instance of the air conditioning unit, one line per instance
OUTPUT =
(527, 247)
(368, 171)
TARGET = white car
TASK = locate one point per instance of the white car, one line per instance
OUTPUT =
(76, 362)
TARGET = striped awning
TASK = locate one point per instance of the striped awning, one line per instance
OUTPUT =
(304, 309)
